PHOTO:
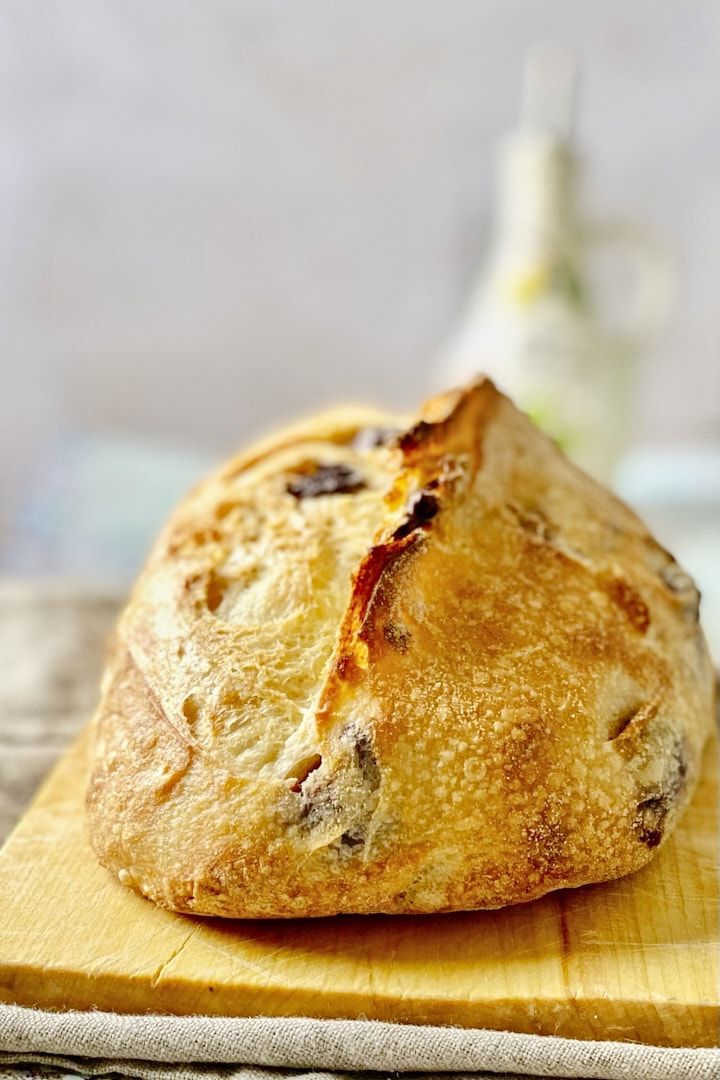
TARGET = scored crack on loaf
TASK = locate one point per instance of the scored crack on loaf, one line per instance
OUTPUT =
(373, 667)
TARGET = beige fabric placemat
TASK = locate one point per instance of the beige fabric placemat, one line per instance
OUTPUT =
(52, 642)
(52, 639)
(108, 1041)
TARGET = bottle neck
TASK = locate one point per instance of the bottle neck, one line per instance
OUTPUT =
(536, 197)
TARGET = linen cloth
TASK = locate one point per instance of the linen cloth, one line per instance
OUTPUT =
(52, 639)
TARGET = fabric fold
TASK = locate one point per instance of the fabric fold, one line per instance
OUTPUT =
(111, 1041)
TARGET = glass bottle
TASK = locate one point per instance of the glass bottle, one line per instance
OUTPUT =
(534, 323)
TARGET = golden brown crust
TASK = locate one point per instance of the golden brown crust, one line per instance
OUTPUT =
(432, 671)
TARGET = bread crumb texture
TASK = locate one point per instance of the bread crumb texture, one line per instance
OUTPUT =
(374, 666)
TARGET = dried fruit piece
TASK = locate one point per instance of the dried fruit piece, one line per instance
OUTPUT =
(326, 480)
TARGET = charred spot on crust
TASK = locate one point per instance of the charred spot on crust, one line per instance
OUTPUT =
(326, 480)
(422, 508)
(415, 436)
(628, 599)
(653, 809)
(397, 636)
(370, 438)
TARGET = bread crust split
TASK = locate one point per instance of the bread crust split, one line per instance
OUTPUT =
(374, 666)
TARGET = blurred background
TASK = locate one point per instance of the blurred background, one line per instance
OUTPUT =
(217, 216)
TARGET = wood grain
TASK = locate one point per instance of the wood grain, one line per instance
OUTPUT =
(636, 959)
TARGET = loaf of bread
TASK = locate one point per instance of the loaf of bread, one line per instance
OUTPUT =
(380, 666)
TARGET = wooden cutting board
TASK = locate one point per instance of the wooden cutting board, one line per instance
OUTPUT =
(636, 959)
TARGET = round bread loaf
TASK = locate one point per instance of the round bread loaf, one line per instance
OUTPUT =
(373, 667)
